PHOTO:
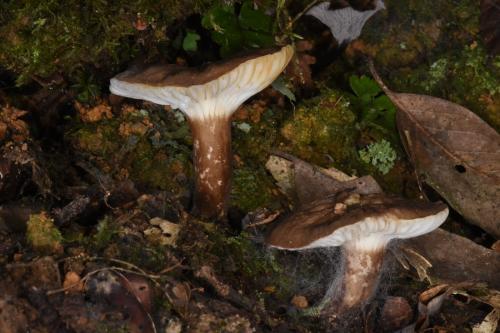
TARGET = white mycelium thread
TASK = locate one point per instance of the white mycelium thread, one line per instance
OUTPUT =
(218, 98)
(345, 23)
(376, 232)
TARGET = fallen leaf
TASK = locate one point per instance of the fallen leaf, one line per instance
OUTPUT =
(454, 151)
(181, 296)
(299, 69)
(11, 123)
(489, 324)
(306, 183)
(94, 114)
(139, 287)
(456, 259)
(117, 289)
(170, 231)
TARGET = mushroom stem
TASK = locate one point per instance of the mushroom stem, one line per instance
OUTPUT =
(212, 164)
(360, 276)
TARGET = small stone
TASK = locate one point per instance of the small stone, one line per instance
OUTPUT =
(300, 302)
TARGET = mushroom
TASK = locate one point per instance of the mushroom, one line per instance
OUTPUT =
(363, 225)
(345, 23)
(208, 96)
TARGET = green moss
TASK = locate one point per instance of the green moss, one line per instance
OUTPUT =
(434, 48)
(156, 167)
(465, 76)
(323, 129)
(98, 139)
(244, 264)
(105, 231)
(139, 145)
(65, 37)
(255, 144)
(251, 189)
(43, 235)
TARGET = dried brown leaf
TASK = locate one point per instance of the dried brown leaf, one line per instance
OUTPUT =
(454, 151)
(456, 259)
(306, 182)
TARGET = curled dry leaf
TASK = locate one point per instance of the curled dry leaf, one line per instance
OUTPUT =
(489, 324)
(11, 124)
(180, 296)
(454, 151)
(455, 259)
(299, 70)
(121, 293)
(305, 182)
(94, 114)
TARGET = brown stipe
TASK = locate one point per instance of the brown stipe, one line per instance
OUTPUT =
(208, 96)
(212, 165)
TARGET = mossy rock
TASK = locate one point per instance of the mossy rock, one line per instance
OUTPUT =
(251, 189)
(74, 38)
(322, 131)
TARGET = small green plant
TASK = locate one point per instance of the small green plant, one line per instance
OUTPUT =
(235, 30)
(374, 108)
(43, 235)
(379, 154)
(105, 232)
(86, 87)
(190, 42)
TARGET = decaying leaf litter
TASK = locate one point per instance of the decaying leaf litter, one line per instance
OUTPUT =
(95, 223)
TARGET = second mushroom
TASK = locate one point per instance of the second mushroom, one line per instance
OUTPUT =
(208, 97)
(363, 225)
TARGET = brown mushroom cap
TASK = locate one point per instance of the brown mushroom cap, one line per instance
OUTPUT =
(370, 221)
(217, 89)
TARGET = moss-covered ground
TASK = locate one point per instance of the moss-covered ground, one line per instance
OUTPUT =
(100, 169)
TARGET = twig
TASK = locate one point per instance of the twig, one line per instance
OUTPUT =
(299, 15)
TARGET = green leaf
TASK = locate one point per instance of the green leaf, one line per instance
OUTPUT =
(280, 85)
(364, 86)
(219, 17)
(257, 39)
(190, 42)
(389, 111)
(254, 19)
